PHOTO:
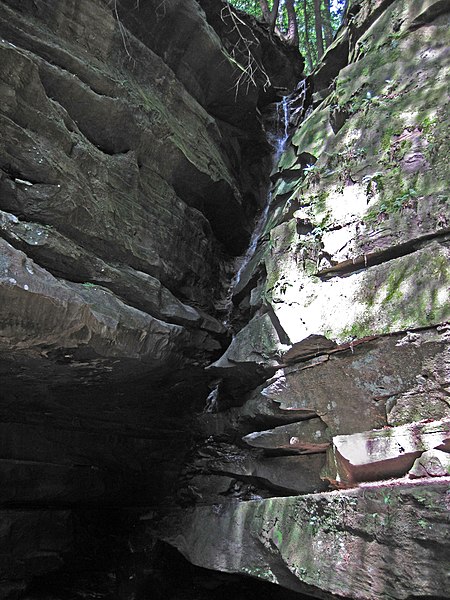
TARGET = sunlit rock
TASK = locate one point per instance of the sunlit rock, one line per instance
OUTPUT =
(162, 378)
(432, 463)
(383, 453)
(332, 543)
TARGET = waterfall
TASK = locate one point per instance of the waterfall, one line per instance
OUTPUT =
(281, 137)
(278, 140)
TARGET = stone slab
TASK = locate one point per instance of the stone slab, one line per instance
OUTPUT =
(304, 437)
(383, 453)
(377, 542)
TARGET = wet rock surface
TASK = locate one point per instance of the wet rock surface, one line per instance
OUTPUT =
(139, 401)
(341, 321)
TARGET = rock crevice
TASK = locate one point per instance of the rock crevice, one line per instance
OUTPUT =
(137, 387)
(344, 307)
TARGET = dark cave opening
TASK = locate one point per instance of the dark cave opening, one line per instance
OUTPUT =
(157, 573)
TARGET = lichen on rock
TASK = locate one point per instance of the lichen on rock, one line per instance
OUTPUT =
(351, 275)
(147, 392)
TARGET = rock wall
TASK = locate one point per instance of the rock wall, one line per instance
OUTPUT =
(134, 406)
(338, 374)
(127, 189)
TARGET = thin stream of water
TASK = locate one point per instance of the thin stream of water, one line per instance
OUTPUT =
(280, 139)
(282, 136)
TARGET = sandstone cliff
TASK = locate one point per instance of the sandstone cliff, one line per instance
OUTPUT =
(338, 374)
(127, 188)
(143, 399)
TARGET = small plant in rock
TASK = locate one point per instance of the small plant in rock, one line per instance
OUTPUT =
(284, 287)
(388, 90)
(374, 184)
(369, 100)
(428, 123)
(317, 232)
(310, 169)
(362, 49)
(387, 498)
(390, 206)
(311, 173)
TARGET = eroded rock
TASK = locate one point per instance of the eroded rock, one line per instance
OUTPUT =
(303, 437)
(383, 453)
(432, 463)
(347, 295)
(321, 544)
(128, 182)
(266, 474)
(122, 187)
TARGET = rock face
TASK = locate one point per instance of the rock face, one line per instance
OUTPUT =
(373, 542)
(382, 453)
(432, 463)
(143, 399)
(127, 189)
(359, 227)
(339, 364)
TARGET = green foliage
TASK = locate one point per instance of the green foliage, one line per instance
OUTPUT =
(428, 124)
(387, 497)
(390, 206)
(356, 331)
(252, 7)
(307, 35)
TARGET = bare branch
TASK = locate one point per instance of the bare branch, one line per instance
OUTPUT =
(242, 54)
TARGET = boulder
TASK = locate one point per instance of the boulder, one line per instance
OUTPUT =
(376, 542)
(383, 453)
(432, 463)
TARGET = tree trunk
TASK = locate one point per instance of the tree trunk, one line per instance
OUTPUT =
(273, 19)
(292, 32)
(270, 16)
(328, 28)
(309, 57)
(265, 10)
(318, 27)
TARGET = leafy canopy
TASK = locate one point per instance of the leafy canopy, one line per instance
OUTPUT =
(312, 28)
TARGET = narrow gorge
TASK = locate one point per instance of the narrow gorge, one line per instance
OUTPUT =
(224, 304)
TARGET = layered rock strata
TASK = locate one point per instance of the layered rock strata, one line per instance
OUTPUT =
(373, 542)
(131, 171)
(342, 368)
(127, 189)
